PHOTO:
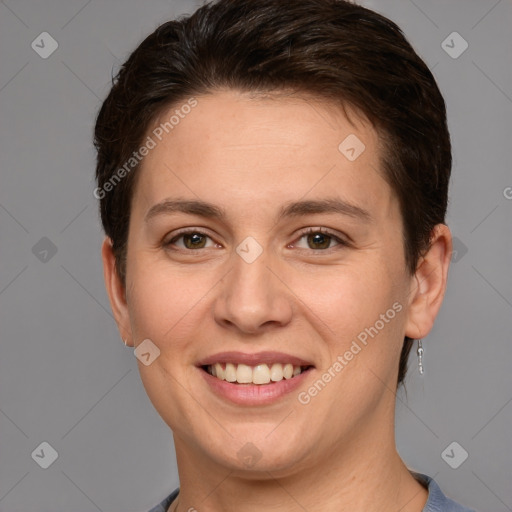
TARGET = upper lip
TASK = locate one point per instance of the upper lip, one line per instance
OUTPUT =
(268, 357)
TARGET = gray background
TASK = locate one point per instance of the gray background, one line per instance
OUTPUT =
(66, 377)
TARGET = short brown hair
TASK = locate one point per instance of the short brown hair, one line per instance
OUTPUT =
(330, 49)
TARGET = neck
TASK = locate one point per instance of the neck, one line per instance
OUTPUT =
(364, 474)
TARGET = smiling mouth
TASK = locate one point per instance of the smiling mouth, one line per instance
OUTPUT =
(258, 374)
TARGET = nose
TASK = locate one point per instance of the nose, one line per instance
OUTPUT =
(253, 297)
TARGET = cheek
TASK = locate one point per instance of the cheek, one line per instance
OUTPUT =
(360, 314)
(347, 299)
(163, 303)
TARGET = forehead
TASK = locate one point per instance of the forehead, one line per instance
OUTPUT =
(238, 150)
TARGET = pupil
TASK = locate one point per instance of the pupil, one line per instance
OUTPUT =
(194, 239)
(320, 239)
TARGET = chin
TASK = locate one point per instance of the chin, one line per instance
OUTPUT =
(255, 456)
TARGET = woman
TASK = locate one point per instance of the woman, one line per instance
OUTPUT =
(273, 182)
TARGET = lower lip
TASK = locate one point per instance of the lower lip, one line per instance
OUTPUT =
(254, 394)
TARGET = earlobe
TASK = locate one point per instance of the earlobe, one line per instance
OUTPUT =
(116, 292)
(429, 285)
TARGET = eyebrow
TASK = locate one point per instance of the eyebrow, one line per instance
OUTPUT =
(294, 209)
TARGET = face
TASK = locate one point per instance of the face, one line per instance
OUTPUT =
(255, 239)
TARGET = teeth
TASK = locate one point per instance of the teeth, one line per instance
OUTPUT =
(259, 374)
(276, 372)
(244, 374)
(219, 371)
(230, 374)
(288, 371)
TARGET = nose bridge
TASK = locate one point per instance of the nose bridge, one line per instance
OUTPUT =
(252, 296)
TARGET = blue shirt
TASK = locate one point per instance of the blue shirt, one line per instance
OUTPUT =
(437, 501)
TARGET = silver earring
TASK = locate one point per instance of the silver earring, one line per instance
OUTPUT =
(419, 351)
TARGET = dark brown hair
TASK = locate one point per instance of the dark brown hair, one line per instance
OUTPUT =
(329, 49)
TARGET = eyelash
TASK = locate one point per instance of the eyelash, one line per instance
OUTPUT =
(308, 231)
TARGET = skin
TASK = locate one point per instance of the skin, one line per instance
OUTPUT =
(252, 155)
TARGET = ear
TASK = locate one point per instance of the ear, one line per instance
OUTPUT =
(116, 292)
(430, 278)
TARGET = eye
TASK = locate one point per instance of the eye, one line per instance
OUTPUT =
(316, 239)
(192, 239)
(319, 238)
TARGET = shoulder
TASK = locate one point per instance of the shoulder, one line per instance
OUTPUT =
(437, 501)
(164, 505)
